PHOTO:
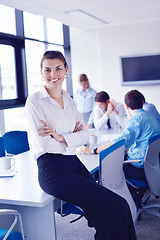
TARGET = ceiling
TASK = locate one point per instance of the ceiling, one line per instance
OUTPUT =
(91, 13)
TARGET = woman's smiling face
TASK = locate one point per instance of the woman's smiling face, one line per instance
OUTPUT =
(53, 71)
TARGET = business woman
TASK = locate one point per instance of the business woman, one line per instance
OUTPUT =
(85, 100)
(55, 130)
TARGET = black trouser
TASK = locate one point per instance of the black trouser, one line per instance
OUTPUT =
(133, 172)
(65, 177)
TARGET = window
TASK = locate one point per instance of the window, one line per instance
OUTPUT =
(33, 26)
(13, 72)
(7, 20)
(55, 36)
(15, 119)
(8, 88)
(34, 52)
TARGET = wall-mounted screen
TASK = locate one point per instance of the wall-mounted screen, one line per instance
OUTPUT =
(141, 70)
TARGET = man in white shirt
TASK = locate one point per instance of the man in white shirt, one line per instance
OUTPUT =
(107, 113)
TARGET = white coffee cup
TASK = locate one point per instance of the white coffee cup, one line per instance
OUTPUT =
(7, 162)
(93, 140)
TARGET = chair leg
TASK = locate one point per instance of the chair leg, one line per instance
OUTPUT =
(76, 219)
(137, 195)
(139, 217)
(146, 196)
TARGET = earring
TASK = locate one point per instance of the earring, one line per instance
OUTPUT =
(66, 76)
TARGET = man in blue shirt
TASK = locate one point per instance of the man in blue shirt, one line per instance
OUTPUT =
(149, 107)
(140, 127)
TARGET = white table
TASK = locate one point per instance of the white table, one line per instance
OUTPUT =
(92, 161)
(105, 136)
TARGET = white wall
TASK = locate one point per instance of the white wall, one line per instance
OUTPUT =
(97, 53)
(84, 53)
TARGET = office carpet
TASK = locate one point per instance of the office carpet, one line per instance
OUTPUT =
(146, 229)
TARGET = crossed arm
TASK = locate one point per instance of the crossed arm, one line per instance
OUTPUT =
(47, 130)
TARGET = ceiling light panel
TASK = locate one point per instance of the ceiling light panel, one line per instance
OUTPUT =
(85, 17)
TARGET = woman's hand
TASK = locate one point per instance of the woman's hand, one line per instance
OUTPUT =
(85, 150)
(46, 130)
(78, 127)
(89, 126)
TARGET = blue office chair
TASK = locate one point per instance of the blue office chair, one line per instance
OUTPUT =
(142, 190)
(16, 142)
(10, 234)
(112, 175)
(2, 148)
(68, 208)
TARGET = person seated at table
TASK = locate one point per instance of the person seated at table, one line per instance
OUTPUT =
(107, 113)
(149, 107)
(141, 126)
(56, 128)
(84, 99)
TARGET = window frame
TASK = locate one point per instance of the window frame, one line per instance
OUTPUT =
(20, 69)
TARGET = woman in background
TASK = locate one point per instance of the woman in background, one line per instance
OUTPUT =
(84, 99)
(56, 129)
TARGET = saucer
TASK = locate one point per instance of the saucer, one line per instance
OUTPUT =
(7, 172)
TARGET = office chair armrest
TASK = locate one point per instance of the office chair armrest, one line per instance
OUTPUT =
(17, 217)
(8, 212)
(132, 161)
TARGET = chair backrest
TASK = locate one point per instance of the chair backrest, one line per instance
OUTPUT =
(112, 158)
(152, 164)
(112, 174)
(16, 142)
(2, 148)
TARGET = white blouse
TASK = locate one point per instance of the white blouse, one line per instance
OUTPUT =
(40, 106)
